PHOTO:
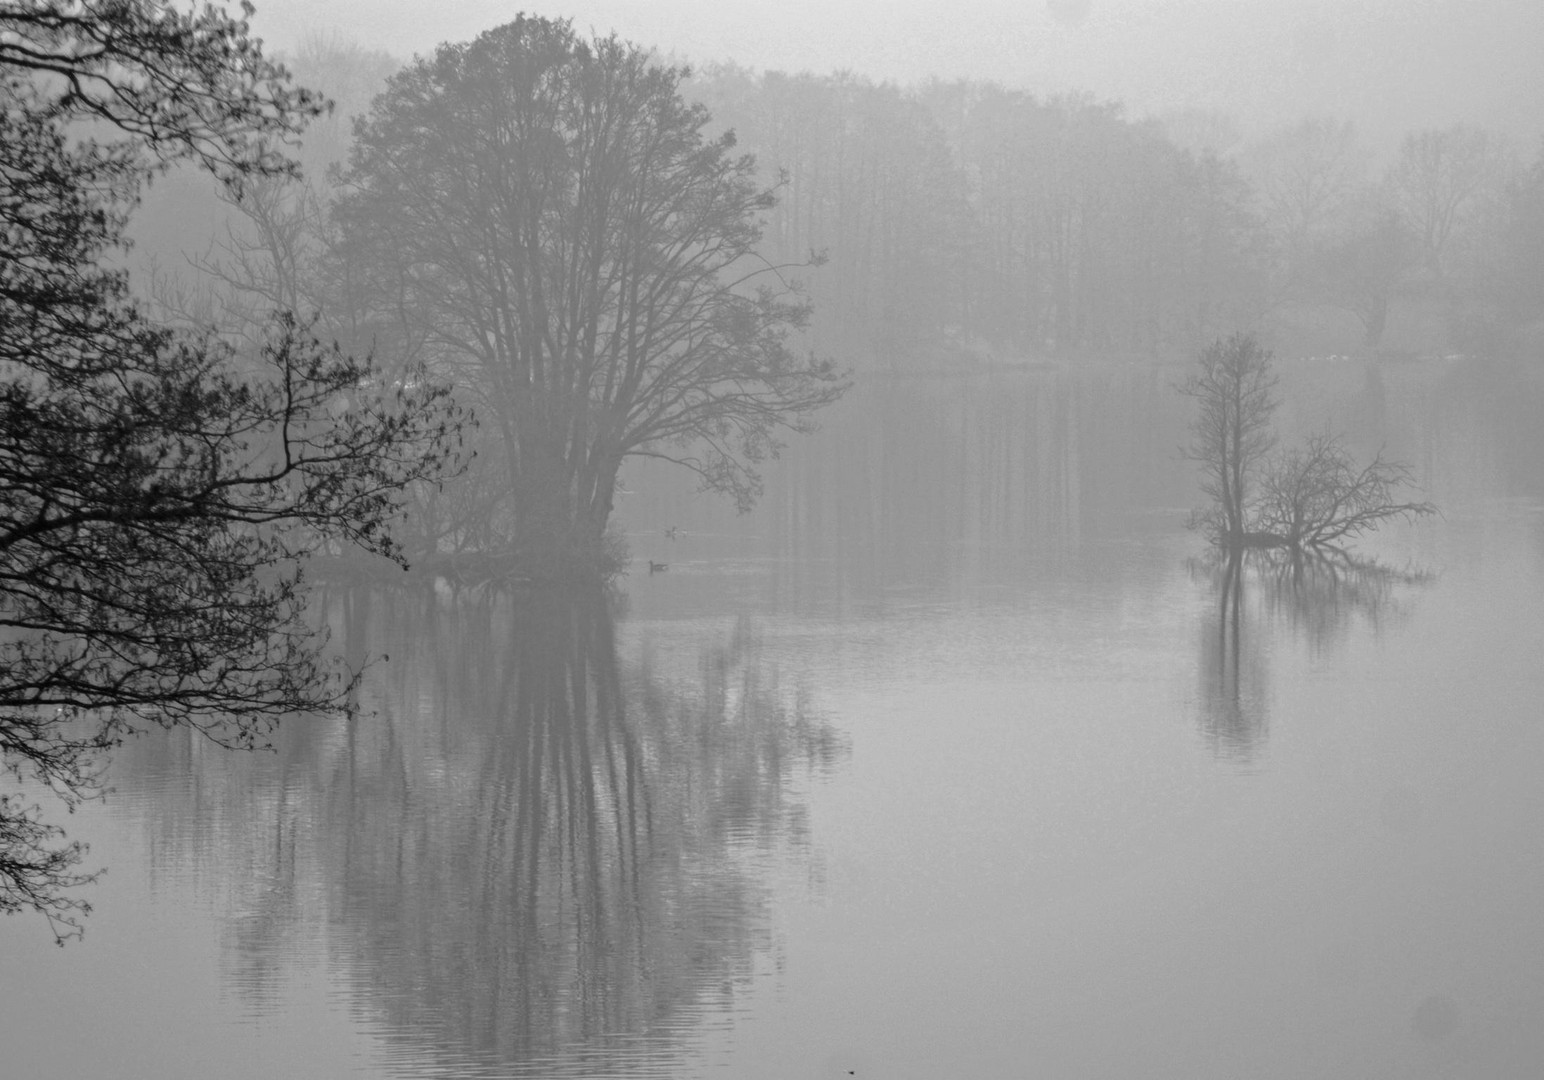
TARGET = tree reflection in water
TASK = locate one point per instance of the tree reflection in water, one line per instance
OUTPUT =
(524, 853)
(1315, 594)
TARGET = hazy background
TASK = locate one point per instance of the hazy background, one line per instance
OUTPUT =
(1387, 65)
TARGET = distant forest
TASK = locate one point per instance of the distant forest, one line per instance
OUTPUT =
(967, 223)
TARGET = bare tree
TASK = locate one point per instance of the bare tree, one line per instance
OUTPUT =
(1235, 391)
(1438, 177)
(1306, 175)
(1317, 496)
(1314, 497)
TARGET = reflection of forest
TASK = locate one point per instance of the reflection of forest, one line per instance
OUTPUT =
(1317, 595)
(912, 475)
(524, 849)
(946, 482)
(990, 468)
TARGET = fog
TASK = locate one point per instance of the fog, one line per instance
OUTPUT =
(892, 647)
(1388, 65)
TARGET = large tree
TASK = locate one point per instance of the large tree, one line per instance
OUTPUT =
(158, 489)
(552, 214)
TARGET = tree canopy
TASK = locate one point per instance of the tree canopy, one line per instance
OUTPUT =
(550, 214)
(160, 487)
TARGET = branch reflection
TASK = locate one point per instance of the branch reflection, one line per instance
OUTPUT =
(1315, 595)
(532, 856)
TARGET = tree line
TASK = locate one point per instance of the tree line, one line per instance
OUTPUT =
(966, 217)
(874, 225)
(962, 216)
(956, 220)
(828, 222)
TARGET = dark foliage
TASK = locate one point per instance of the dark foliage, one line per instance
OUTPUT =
(158, 490)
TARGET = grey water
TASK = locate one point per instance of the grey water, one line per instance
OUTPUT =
(956, 758)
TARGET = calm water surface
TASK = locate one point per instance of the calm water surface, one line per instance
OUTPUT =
(956, 759)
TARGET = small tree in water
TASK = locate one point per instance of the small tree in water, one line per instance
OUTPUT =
(1231, 434)
(1315, 496)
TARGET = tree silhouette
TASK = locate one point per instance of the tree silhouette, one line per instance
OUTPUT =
(552, 215)
(1310, 497)
(1236, 395)
(159, 488)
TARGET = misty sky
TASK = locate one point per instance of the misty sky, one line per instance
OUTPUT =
(1388, 64)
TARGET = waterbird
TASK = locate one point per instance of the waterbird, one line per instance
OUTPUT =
(656, 567)
(670, 533)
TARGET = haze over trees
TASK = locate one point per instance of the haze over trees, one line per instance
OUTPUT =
(965, 217)
(161, 488)
(967, 221)
(941, 227)
(1408, 249)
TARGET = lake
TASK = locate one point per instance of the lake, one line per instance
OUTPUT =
(956, 758)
